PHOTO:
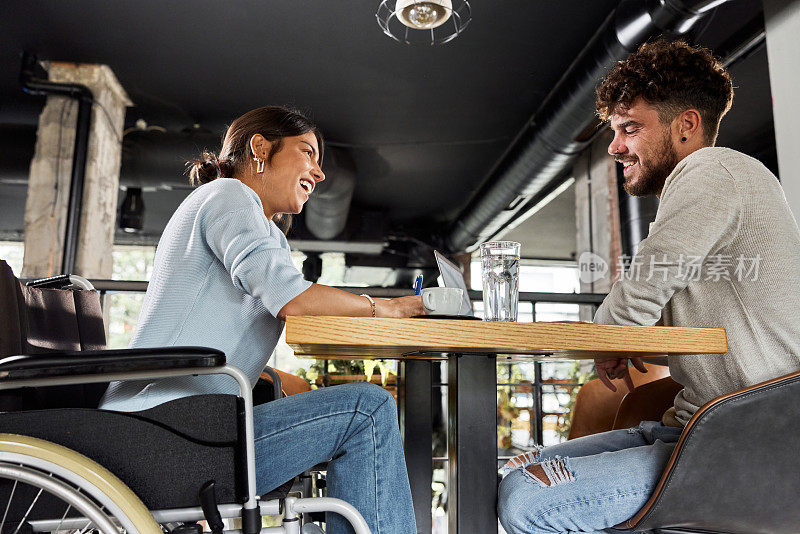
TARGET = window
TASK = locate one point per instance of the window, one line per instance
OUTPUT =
(12, 252)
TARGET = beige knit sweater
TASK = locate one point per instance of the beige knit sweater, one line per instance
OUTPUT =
(724, 251)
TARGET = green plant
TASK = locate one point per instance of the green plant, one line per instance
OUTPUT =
(348, 367)
(506, 414)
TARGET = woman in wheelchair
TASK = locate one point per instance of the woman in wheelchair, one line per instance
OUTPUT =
(224, 278)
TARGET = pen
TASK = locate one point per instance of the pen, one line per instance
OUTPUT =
(418, 285)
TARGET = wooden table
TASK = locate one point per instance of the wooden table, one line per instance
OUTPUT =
(471, 349)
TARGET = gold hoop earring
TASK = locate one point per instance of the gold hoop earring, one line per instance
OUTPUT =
(259, 165)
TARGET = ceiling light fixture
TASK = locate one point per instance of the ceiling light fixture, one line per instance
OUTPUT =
(423, 15)
(423, 22)
(131, 215)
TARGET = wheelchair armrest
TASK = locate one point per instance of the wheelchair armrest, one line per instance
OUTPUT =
(101, 362)
(735, 466)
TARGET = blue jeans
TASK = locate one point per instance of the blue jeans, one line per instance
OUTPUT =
(353, 425)
(596, 481)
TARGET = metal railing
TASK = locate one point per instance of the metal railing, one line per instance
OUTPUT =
(538, 385)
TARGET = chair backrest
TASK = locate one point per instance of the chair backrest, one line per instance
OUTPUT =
(647, 402)
(596, 406)
(41, 321)
(735, 467)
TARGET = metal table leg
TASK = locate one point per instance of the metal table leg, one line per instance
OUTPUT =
(472, 444)
(417, 427)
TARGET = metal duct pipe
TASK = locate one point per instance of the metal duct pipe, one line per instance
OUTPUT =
(157, 159)
(327, 209)
(152, 158)
(565, 123)
(36, 86)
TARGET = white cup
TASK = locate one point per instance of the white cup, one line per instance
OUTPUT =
(442, 300)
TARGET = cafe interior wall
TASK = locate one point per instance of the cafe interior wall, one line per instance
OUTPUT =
(782, 24)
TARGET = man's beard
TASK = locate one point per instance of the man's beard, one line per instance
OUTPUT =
(654, 173)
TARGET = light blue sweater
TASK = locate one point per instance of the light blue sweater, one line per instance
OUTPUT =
(222, 273)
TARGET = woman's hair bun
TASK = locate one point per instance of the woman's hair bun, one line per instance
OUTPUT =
(207, 168)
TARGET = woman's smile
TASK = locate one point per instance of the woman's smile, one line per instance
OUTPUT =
(307, 185)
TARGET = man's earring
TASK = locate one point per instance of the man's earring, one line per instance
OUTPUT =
(683, 139)
(259, 164)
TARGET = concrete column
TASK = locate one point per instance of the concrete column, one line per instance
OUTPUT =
(597, 218)
(782, 20)
(48, 185)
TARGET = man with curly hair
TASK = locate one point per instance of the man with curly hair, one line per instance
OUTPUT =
(723, 251)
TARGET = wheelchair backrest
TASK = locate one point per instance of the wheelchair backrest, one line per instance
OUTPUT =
(43, 321)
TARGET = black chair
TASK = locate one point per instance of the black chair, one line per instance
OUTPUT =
(735, 470)
(186, 460)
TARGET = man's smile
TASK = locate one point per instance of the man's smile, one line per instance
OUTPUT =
(628, 166)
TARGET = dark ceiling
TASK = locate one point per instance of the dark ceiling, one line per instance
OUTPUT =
(424, 125)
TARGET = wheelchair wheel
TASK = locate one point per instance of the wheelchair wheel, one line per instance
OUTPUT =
(45, 487)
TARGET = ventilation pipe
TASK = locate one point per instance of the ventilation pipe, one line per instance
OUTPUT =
(158, 159)
(37, 86)
(565, 123)
(151, 158)
(327, 209)
(154, 158)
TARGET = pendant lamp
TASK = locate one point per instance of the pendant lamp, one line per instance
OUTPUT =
(423, 22)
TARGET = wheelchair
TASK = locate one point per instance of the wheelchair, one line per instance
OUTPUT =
(65, 467)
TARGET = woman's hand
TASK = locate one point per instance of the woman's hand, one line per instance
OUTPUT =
(325, 300)
(399, 307)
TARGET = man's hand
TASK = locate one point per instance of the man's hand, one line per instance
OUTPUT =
(614, 367)
(617, 368)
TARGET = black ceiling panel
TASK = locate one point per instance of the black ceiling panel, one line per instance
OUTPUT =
(425, 125)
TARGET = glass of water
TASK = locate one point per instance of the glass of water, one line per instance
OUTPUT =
(500, 264)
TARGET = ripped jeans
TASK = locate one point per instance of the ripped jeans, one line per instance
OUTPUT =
(595, 482)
